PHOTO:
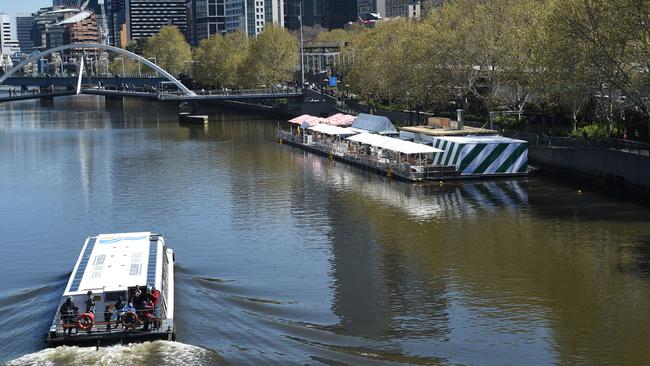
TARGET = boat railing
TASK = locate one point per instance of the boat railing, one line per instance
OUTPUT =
(144, 321)
(411, 171)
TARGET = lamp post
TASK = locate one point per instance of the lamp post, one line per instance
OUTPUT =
(302, 49)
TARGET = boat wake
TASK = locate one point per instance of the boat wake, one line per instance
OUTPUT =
(149, 353)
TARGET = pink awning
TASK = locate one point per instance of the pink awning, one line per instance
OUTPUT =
(341, 120)
(311, 120)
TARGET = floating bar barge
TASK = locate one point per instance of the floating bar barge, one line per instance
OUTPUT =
(412, 156)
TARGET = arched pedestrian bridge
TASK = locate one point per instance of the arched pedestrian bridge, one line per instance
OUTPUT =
(132, 86)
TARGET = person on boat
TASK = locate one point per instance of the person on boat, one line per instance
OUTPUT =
(154, 295)
(68, 314)
(107, 317)
(119, 309)
(147, 314)
(137, 296)
(90, 303)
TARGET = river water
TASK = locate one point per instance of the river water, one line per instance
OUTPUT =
(288, 258)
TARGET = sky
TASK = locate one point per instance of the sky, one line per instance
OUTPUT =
(14, 7)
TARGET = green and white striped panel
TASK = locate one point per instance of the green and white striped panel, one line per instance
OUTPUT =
(451, 152)
(494, 158)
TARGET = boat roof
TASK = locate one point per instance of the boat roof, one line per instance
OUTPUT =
(114, 262)
(479, 139)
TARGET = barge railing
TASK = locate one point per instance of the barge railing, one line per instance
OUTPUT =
(117, 325)
(386, 166)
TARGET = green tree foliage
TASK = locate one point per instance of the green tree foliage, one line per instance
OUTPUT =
(219, 60)
(586, 58)
(272, 58)
(130, 67)
(170, 49)
(334, 36)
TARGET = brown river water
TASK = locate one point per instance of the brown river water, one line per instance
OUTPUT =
(286, 258)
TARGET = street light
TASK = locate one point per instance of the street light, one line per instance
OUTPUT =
(302, 51)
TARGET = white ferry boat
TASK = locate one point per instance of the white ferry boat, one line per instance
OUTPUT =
(121, 290)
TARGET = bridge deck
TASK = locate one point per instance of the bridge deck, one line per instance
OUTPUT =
(30, 95)
(219, 96)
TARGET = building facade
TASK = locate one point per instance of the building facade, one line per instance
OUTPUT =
(116, 22)
(312, 13)
(330, 14)
(24, 33)
(47, 32)
(205, 18)
(338, 13)
(235, 15)
(372, 6)
(8, 42)
(403, 8)
(251, 16)
(144, 18)
(81, 28)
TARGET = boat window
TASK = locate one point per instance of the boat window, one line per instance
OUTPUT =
(136, 264)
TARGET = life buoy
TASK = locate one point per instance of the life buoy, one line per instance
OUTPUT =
(129, 319)
(86, 321)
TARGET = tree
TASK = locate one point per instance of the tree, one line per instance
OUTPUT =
(219, 59)
(130, 67)
(616, 41)
(272, 58)
(170, 50)
(338, 36)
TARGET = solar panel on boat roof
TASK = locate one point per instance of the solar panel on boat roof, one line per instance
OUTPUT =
(151, 266)
(82, 265)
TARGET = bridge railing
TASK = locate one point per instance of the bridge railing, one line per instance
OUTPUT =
(635, 147)
(259, 91)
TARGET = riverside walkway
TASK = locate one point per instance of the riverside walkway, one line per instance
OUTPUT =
(615, 163)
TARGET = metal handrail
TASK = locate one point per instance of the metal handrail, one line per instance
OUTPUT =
(403, 169)
(99, 327)
(635, 147)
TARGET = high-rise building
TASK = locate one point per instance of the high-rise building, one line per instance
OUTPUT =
(403, 8)
(48, 31)
(116, 22)
(372, 6)
(24, 33)
(338, 13)
(329, 14)
(92, 4)
(254, 17)
(205, 18)
(8, 41)
(274, 12)
(235, 15)
(251, 16)
(80, 28)
(144, 18)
